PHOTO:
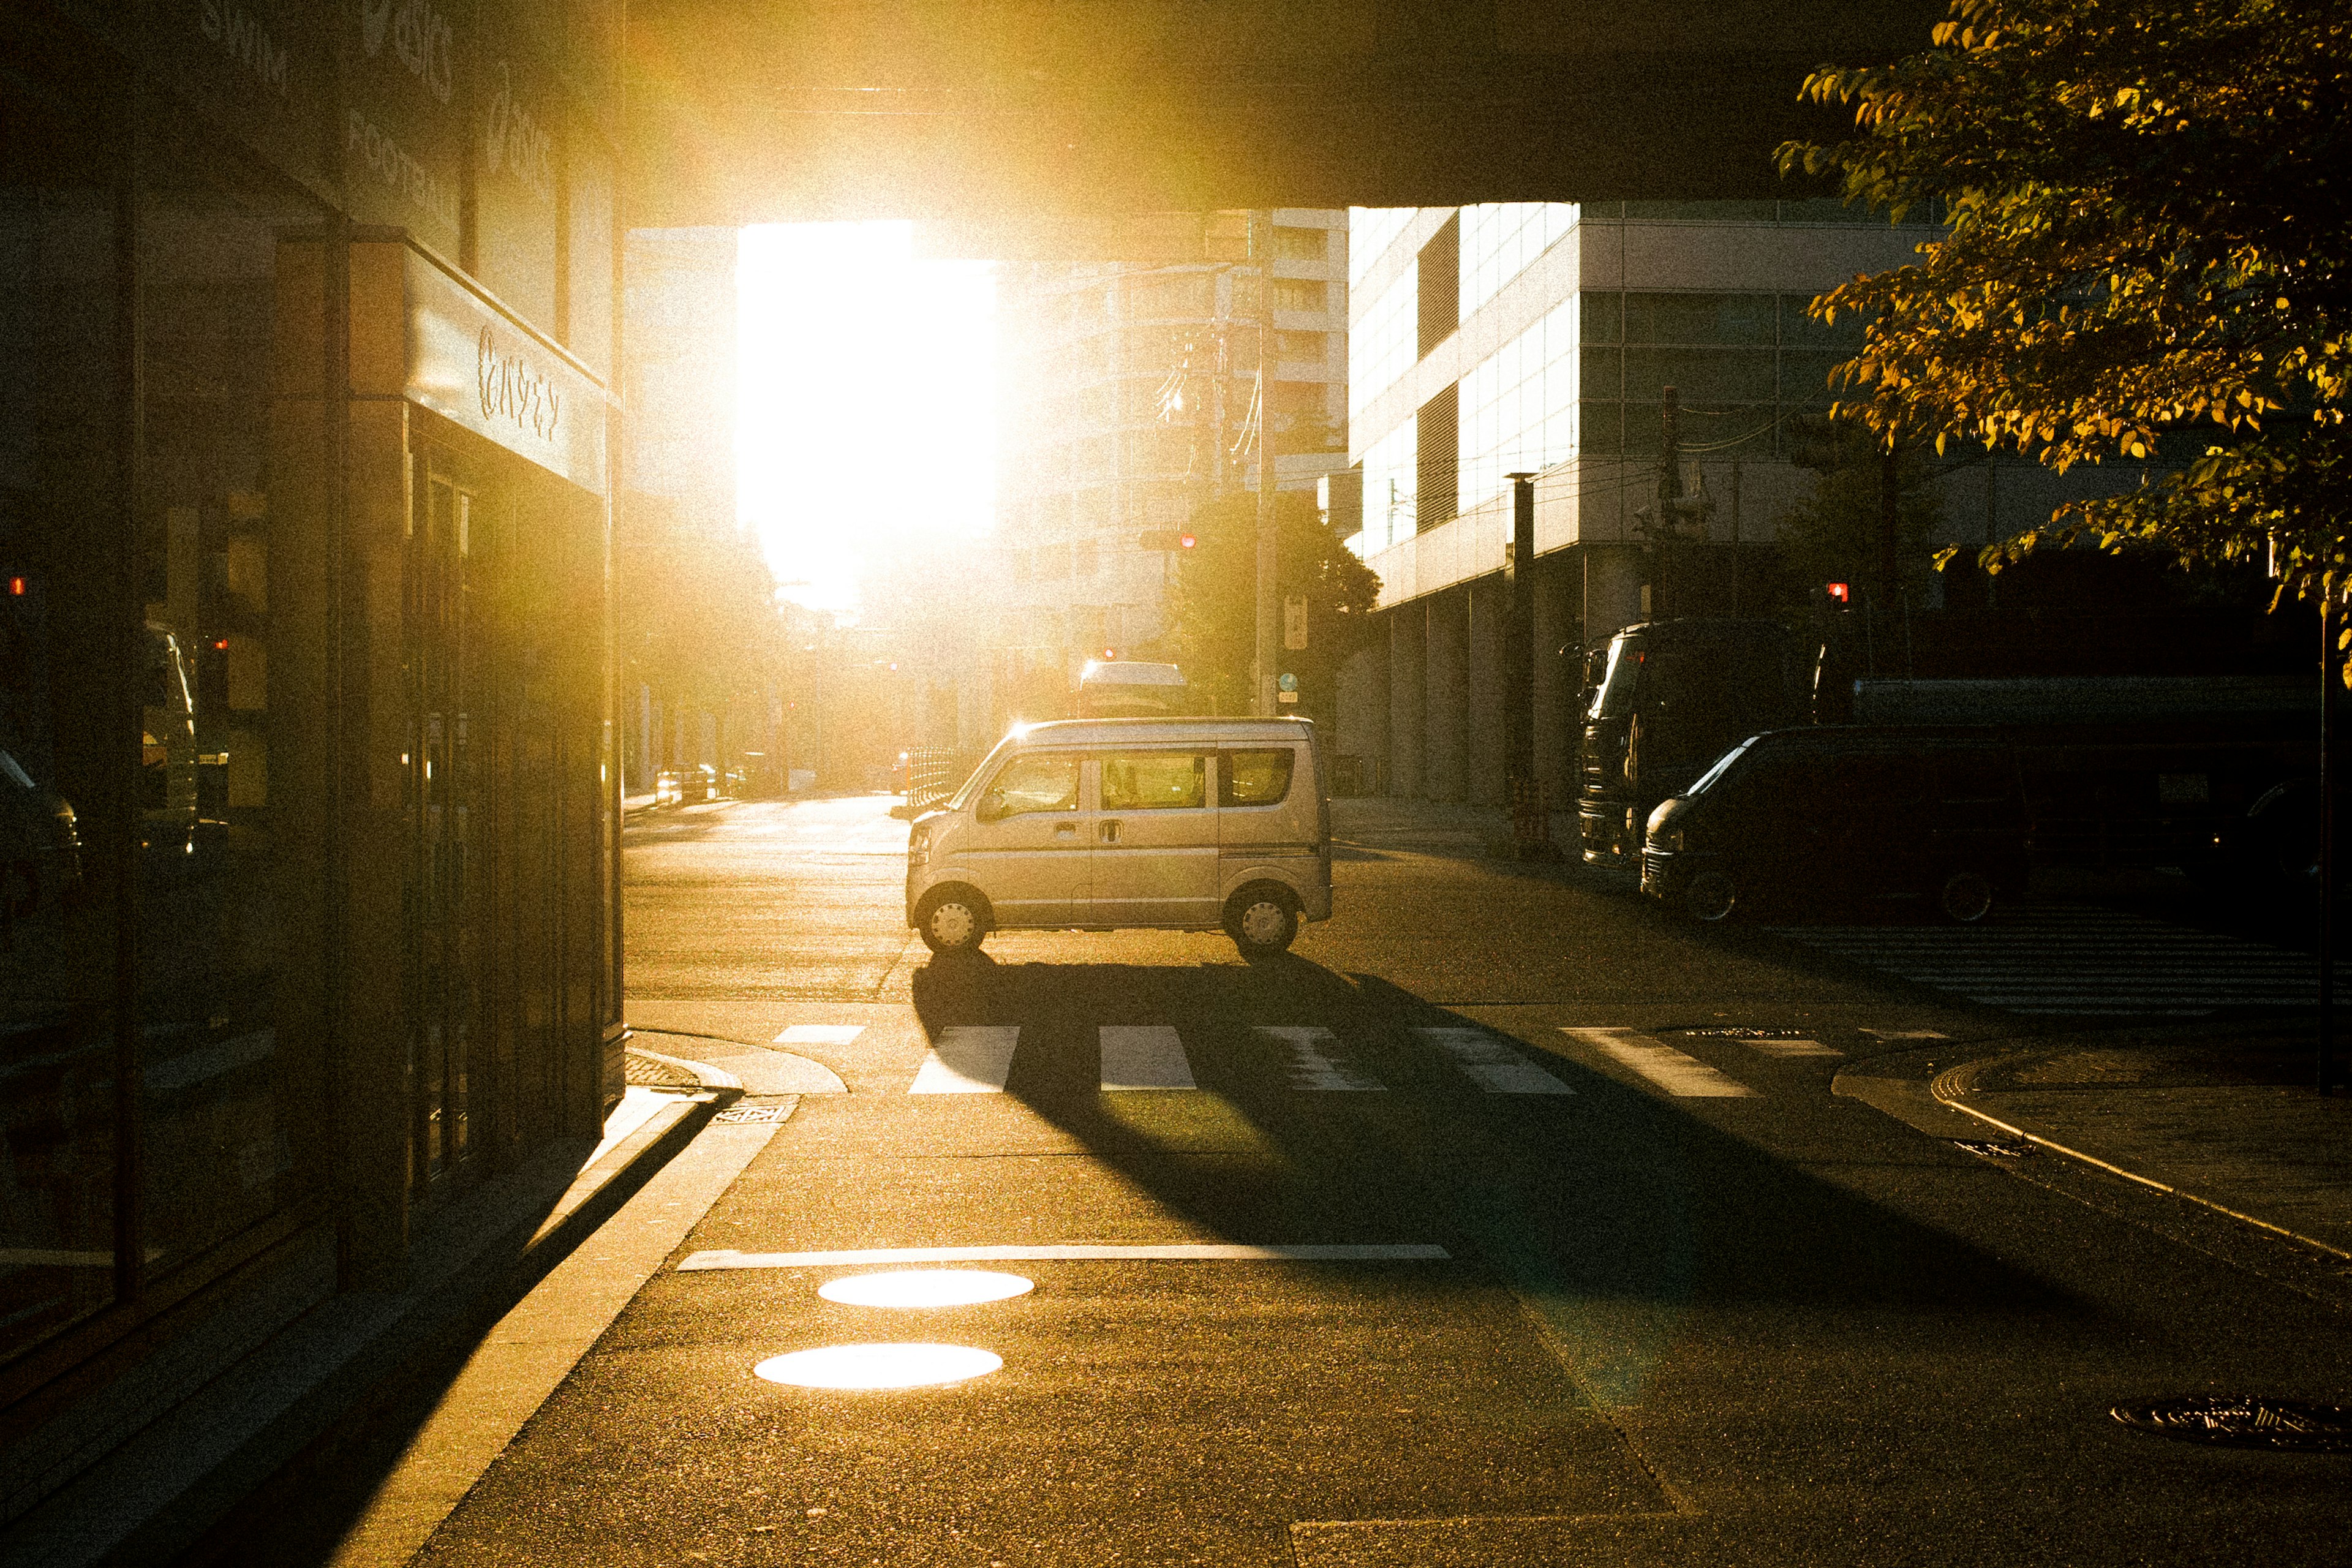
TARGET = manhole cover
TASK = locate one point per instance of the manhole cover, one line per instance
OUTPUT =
(1998, 1148)
(755, 1114)
(2288, 1425)
(1742, 1034)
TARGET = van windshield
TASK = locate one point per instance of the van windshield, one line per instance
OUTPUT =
(962, 796)
(1722, 766)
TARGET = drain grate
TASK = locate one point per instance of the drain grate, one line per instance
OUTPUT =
(2002, 1148)
(755, 1113)
(2287, 1425)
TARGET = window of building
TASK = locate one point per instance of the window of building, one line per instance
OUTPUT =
(1383, 346)
(1438, 299)
(1312, 348)
(1501, 240)
(1297, 244)
(1370, 232)
(1084, 564)
(1170, 295)
(1301, 294)
(1436, 437)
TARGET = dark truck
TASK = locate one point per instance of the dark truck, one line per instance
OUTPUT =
(2214, 775)
(1668, 698)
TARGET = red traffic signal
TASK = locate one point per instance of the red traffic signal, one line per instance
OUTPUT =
(1842, 592)
(1187, 542)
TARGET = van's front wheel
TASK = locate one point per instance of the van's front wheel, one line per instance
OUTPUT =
(1966, 897)
(1262, 920)
(953, 921)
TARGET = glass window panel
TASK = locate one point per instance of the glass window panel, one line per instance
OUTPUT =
(1704, 377)
(68, 753)
(1700, 211)
(1601, 431)
(1256, 778)
(223, 1094)
(1602, 373)
(1805, 376)
(1699, 318)
(1042, 780)
(1602, 317)
(1800, 330)
(1154, 781)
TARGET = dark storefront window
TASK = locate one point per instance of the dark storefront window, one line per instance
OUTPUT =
(222, 1090)
(69, 741)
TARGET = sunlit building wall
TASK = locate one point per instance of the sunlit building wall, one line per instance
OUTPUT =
(1127, 390)
(1539, 337)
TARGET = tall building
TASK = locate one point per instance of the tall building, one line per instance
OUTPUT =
(1127, 405)
(678, 473)
(1543, 338)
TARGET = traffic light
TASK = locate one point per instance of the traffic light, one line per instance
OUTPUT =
(1842, 592)
(1165, 539)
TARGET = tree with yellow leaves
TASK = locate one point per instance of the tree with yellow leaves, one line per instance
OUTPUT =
(2148, 256)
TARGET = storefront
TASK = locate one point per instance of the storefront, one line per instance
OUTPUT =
(307, 804)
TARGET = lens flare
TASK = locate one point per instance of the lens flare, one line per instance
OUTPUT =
(878, 1366)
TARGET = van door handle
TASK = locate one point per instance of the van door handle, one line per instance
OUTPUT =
(1067, 830)
(1110, 832)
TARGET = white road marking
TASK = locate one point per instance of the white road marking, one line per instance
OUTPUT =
(968, 1058)
(1490, 1064)
(1678, 1073)
(1792, 1047)
(1082, 1252)
(1143, 1056)
(820, 1033)
(1311, 1067)
(1903, 1033)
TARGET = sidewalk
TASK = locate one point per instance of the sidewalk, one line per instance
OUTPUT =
(2227, 1118)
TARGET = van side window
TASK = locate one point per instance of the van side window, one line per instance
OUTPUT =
(1256, 778)
(1041, 782)
(1154, 781)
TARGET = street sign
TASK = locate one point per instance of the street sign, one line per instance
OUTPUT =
(1288, 681)
(1294, 621)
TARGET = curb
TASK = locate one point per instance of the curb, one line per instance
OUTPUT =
(285, 1412)
(1953, 1083)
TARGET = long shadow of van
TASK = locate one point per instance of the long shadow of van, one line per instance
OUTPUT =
(1606, 1192)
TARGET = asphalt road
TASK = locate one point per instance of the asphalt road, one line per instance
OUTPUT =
(1693, 1306)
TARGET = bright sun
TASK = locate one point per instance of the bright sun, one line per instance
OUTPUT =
(867, 401)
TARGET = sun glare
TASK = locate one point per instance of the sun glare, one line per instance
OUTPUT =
(866, 421)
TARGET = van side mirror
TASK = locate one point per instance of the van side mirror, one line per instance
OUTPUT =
(990, 807)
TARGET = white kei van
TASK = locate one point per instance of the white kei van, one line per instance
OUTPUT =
(1113, 824)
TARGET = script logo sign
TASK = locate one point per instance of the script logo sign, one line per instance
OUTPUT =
(511, 390)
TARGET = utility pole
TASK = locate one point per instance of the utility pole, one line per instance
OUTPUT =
(2329, 676)
(1264, 672)
(1735, 537)
(1530, 818)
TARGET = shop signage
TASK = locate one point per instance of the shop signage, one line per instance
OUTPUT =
(471, 364)
(403, 69)
(254, 67)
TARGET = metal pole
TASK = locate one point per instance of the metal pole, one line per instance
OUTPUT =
(1265, 672)
(1529, 823)
(2328, 680)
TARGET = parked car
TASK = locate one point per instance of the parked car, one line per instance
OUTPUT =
(1844, 810)
(1111, 823)
(682, 786)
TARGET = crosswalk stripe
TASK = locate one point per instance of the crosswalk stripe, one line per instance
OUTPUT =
(1143, 1056)
(1490, 1064)
(1674, 1072)
(1082, 1252)
(968, 1058)
(820, 1034)
(1311, 1067)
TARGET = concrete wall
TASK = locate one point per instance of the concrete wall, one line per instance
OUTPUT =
(1446, 702)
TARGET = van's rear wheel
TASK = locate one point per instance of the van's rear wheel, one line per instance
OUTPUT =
(1965, 896)
(953, 921)
(1711, 896)
(1262, 920)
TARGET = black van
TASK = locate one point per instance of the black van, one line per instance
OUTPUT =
(1864, 810)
